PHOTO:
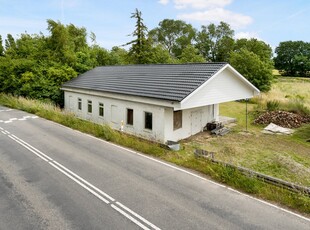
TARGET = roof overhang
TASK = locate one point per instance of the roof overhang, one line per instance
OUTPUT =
(251, 88)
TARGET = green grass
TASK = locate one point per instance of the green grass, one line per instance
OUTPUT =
(185, 157)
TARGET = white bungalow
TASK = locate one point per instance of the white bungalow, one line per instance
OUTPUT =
(158, 102)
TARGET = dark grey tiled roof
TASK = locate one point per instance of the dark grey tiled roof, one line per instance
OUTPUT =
(162, 81)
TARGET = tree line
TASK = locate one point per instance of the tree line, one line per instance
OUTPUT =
(37, 65)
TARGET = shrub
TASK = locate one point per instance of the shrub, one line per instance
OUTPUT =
(272, 105)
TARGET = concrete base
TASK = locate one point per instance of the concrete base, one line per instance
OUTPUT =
(226, 120)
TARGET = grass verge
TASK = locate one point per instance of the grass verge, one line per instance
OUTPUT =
(184, 158)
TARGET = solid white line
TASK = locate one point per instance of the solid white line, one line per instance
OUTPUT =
(10, 136)
(79, 181)
(137, 215)
(30, 146)
(3, 132)
(81, 184)
(1, 128)
(129, 217)
(84, 181)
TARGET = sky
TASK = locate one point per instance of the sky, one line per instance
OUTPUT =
(272, 21)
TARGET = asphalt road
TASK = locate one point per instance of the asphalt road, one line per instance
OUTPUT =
(52, 177)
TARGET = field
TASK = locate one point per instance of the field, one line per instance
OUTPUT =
(284, 157)
(289, 90)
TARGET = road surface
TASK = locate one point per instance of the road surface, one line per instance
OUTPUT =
(52, 177)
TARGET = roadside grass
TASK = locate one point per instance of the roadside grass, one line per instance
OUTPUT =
(185, 157)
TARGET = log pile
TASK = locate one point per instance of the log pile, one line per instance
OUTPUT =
(282, 118)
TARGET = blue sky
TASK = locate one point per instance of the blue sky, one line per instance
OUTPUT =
(272, 21)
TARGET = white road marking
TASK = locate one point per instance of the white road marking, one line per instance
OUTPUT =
(138, 216)
(24, 118)
(5, 110)
(119, 207)
(129, 217)
(86, 182)
(81, 184)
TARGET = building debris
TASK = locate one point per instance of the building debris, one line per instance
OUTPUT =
(275, 129)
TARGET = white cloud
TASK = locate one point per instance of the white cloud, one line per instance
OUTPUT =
(200, 4)
(163, 2)
(247, 35)
(217, 15)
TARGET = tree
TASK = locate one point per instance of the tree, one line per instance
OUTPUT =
(260, 48)
(141, 45)
(250, 65)
(191, 55)
(292, 58)
(215, 42)
(10, 45)
(174, 35)
(1, 46)
(119, 56)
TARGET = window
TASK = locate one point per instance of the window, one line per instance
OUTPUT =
(148, 120)
(177, 120)
(101, 109)
(89, 106)
(129, 116)
(79, 103)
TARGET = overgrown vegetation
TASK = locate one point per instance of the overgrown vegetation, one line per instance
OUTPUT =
(288, 94)
(184, 158)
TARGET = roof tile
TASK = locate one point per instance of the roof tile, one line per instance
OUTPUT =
(161, 81)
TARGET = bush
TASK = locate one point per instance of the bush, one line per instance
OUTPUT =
(272, 105)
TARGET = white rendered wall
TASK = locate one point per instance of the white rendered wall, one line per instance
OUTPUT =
(120, 114)
(193, 121)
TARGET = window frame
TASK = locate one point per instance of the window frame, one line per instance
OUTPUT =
(101, 109)
(177, 119)
(129, 119)
(148, 126)
(89, 106)
(80, 104)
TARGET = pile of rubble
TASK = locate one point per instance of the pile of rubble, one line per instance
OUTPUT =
(282, 118)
